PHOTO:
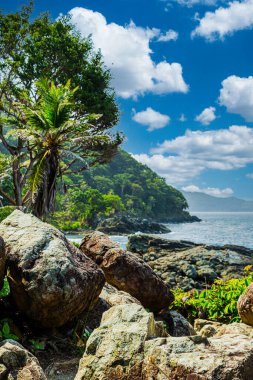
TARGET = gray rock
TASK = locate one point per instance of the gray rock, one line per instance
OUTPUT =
(51, 281)
(115, 349)
(18, 363)
(188, 265)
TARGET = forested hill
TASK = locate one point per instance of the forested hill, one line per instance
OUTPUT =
(124, 186)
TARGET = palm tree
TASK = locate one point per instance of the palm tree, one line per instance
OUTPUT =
(59, 141)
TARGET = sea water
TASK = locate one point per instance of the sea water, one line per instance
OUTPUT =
(214, 229)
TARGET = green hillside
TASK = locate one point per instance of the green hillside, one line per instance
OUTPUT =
(122, 187)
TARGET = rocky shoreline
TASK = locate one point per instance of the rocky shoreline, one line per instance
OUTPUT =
(115, 303)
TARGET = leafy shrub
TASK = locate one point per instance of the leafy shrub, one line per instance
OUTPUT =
(5, 291)
(6, 211)
(5, 331)
(218, 303)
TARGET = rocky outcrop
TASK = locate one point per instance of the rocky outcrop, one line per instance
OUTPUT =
(188, 265)
(127, 272)
(115, 349)
(2, 262)
(114, 297)
(245, 306)
(130, 345)
(51, 281)
(18, 363)
(229, 357)
(124, 225)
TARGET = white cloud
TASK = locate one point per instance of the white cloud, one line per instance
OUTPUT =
(190, 3)
(236, 95)
(127, 53)
(152, 119)
(182, 118)
(225, 21)
(213, 191)
(170, 35)
(181, 159)
(206, 116)
(249, 175)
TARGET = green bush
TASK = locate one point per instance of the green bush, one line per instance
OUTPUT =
(5, 291)
(6, 211)
(218, 303)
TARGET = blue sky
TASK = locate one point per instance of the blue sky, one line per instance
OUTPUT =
(182, 70)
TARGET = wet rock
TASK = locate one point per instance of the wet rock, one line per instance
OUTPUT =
(187, 265)
(127, 272)
(245, 306)
(51, 281)
(18, 363)
(124, 225)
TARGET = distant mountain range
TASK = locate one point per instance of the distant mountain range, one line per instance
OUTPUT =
(206, 203)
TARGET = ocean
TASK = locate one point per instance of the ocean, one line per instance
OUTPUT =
(214, 229)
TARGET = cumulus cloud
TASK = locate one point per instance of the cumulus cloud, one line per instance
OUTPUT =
(170, 35)
(181, 159)
(127, 53)
(214, 191)
(236, 95)
(206, 116)
(151, 118)
(225, 21)
(191, 3)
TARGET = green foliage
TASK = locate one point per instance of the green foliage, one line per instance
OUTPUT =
(37, 345)
(218, 303)
(122, 187)
(31, 50)
(6, 211)
(5, 331)
(5, 291)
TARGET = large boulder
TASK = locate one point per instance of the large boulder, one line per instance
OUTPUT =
(188, 265)
(228, 357)
(127, 272)
(245, 306)
(18, 363)
(115, 349)
(2, 261)
(130, 345)
(51, 281)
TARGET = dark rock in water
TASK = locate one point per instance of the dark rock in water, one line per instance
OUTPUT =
(183, 217)
(127, 272)
(126, 225)
(51, 280)
(187, 265)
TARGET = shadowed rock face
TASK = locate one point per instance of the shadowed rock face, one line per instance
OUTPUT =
(2, 261)
(126, 272)
(187, 265)
(51, 281)
(18, 363)
(245, 306)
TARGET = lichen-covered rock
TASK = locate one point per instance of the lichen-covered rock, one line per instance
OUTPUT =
(229, 357)
(51, 281)
(188, 265)
(126, 272)
(18, 363)
(115, 297)
(206, 328)
(2, 261)
(245, 306)
(115, 349)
